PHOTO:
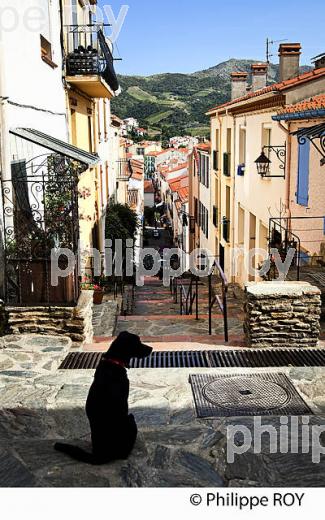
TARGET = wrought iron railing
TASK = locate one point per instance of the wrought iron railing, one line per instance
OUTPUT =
(306, 235)
(124, 170)
(88, 53)
(186, 294)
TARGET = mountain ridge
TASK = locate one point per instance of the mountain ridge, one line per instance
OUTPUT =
(175, 103)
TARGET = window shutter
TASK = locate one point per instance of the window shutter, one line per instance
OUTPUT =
(303, 173)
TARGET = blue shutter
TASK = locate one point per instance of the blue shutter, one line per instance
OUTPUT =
(303, 173)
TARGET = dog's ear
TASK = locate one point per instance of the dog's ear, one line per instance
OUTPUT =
(124, 346)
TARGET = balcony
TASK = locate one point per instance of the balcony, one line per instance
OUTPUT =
(226, 164)
(124, 170)
(89, 61)
(226, 229)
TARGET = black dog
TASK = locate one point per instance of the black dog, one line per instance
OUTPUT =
(113, 430)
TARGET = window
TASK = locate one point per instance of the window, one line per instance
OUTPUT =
(90, 134)
(46, 52)
(73, 127)
(204, 169)
(266, 138)
(216, 152)
(302, 194)
(229, 140)
(226, 164)
(195, 209)
(215, 216)
(242, 146)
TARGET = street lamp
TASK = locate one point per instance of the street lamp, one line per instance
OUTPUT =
(263, 162)
(263, 165)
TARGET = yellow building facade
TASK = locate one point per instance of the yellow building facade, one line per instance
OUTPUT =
(90, 83)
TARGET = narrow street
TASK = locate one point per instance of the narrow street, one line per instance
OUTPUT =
(157, 319)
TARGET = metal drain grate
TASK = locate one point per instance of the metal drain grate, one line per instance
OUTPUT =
(247, 358)
(246, 395)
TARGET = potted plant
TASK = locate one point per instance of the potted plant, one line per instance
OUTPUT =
(88, 285)
(98, 294)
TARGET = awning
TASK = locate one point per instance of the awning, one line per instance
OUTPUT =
(316, 135)
(55, 145)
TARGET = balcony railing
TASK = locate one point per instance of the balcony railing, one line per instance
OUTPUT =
(133, 198)
(226, 229)
(226, 164)
(124, 170)
(88, 54)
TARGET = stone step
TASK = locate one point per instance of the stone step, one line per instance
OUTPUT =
(173, 342)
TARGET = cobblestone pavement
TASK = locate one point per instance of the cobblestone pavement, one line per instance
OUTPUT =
(40, 404)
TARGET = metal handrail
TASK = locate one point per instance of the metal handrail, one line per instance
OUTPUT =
(222, 301)
(186, 298)
(277, 223)
(190, 297)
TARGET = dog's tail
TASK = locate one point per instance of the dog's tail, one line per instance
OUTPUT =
(77, 453)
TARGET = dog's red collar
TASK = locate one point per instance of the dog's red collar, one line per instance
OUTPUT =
(117, 362)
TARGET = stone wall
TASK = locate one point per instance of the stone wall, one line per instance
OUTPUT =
(73, 322)
(3, 319)
(282, 314)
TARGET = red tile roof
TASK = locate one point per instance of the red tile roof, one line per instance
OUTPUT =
(148, 187)
(279, 87)
(204, 147)
(314, 103)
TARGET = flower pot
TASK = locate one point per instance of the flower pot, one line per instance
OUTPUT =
(98, 297)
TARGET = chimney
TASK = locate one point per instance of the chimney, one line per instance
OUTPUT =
(319, 61)
(289, 60)
(259, 76)
(238, 84)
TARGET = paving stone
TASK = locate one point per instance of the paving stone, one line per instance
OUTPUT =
(201, 471)
(151, 412)
(13, 473)
(174, 435)
(73, 393)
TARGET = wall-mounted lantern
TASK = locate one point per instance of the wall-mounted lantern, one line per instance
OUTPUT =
(263, 162)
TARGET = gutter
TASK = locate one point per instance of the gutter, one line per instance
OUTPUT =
(241, 102)
(304, 114)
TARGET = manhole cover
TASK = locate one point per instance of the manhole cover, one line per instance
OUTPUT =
(253, 394)
(239, 392)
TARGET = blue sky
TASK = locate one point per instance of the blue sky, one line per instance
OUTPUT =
(187, 35)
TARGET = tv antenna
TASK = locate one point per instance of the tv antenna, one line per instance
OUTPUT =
(269, 44)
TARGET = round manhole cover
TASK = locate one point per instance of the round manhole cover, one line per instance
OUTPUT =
(245, 393)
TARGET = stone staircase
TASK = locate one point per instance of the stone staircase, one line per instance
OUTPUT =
(73, 322)
(155, 316)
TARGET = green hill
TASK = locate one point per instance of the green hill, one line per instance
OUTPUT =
(176, 103)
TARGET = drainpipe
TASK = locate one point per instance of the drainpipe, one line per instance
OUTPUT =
(219, 187)
(288, 170)
(233, 200)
